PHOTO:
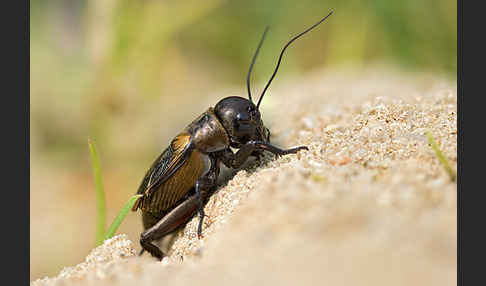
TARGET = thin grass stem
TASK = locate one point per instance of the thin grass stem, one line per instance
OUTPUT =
(121, 216)
(442, 159)
(100, 194)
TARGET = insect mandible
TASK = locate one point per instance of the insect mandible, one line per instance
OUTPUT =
(180, 180)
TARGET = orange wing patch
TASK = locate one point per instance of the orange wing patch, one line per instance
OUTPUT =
(181, 141)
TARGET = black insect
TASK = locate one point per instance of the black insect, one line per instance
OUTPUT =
(178, 183)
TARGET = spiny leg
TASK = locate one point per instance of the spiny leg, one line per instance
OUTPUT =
(234, 161)
(182, 213)
(150, 219)
(169, 223)
(201, 209)
(202, 188)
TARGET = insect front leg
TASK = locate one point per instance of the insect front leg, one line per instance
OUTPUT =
(234, 161)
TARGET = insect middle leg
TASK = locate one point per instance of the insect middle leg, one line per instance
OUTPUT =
(203, 188)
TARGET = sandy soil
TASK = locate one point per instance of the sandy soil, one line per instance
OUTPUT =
(368, 204)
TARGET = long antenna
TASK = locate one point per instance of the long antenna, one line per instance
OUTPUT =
(253, 62)
(283, 50)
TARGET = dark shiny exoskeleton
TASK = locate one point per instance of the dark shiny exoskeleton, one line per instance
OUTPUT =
(181, 179)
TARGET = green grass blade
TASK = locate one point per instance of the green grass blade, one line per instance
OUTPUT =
(442, 159)
(121, 215)
(100, 194)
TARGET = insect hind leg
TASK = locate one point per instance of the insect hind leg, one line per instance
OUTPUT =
(168, 224)
(184, 211)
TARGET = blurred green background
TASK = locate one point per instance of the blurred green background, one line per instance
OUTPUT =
(130, 74)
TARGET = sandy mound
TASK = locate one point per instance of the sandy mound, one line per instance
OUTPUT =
(368, 204)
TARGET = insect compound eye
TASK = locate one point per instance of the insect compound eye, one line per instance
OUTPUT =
(242, 121)
(252, 111)
(241, 118)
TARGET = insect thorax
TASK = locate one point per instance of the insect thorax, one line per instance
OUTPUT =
(207, 133)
